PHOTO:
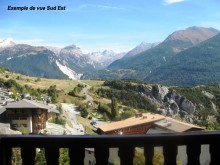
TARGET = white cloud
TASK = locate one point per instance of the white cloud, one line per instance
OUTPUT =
(173, 1)
(34, 41)
(116, 47)
(100, 7)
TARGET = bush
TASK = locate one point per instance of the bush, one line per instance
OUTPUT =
(84, 113)
(127, 114)
(53, 93)
(58, 120)
(24, 130)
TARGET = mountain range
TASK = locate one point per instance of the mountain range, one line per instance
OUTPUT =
(54, 62)
(186, 57)
(194, 66)
(145, 62)
(151, 63)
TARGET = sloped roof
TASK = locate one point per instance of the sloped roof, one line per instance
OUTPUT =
(54, 110)
(26, 104)
(176, 125)
(2, 109)
(130, 122)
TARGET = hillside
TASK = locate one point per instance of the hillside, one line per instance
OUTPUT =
(29, 60)
(52, 62)
(44, 83)
(195, 66)
(199, 105)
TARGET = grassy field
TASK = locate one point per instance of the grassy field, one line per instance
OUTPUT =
(43, 83)
(93, 83)
(86, 123)
(62, 85)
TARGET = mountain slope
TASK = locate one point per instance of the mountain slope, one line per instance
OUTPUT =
(7, 43)
(139, 49)
(75, 59)
(146, 62)
(103, 59)
(197, 65)
(29, 60)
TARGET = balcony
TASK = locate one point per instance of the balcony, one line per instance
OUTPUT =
(101, 145)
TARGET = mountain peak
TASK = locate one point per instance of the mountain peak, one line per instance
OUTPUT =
(193, 34)
(8, 42)
(143, 46)
(72, 49)
(108, 53)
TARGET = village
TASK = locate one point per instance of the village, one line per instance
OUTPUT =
(30, 116)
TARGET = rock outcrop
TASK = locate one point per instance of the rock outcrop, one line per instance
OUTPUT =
(171, 103)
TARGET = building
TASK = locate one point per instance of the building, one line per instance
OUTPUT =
(151, 124)
(170, 125)
(30, 114)
(139, 124)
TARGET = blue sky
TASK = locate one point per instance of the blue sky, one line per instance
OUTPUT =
(93, 25)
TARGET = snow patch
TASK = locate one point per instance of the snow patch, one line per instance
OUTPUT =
(69, 72)
(7, 43)
(164, 58)
(9, 58)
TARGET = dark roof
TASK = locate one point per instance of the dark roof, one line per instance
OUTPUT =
(26, 104)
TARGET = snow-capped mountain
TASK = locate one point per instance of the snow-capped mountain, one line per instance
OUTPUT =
(56, 50)
(73, 57)
(31, 60)
(105, 58)
(7, 43)
(71, 50)
(52, 62)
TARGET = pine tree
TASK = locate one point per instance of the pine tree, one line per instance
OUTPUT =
(114, 108)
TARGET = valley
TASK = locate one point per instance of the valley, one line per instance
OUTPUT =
(197, 105)
(174, 78)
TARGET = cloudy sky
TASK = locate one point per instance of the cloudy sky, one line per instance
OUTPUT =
(94, 25)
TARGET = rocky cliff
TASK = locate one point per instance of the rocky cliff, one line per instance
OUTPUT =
(171, 103)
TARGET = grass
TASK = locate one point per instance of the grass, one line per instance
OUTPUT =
(93, 82)
(65, 98)
(62, 85)
(42, 83)
(86, 123)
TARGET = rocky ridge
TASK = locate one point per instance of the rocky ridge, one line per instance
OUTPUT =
(171, 103)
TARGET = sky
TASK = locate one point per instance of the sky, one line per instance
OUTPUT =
(97, 25)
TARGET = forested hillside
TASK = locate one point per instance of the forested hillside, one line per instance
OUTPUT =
(195, 66)
(199, 105)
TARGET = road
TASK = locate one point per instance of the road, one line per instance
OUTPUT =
(70, 111)
(85, 92)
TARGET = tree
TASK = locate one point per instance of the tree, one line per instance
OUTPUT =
(84, 113)
(40, 156)
(52, 91)
(64, 156)
(139, 158)
(114, 108)
(127, 114)
(105, 116)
